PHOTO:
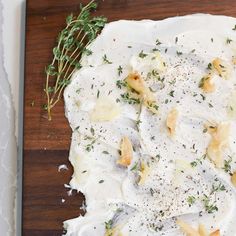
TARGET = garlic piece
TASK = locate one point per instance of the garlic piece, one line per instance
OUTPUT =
(215, 233)
(202, 230)
(126, 155)
(219, 141)
(222, 68)
(190, 231)
(233, 179)
(171, 121)
(206, 84)
(187, 229)
(135, 81)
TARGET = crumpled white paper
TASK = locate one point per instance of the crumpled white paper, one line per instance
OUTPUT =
(8, 150)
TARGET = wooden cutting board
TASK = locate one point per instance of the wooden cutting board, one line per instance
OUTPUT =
(46, 143)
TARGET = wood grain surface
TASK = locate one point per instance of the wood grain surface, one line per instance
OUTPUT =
(46, 144)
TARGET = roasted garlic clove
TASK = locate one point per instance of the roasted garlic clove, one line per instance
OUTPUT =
(206, 84)
(219, 141)
(171, 121)
(126, 154)
(222, 68)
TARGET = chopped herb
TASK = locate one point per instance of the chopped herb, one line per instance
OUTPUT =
(105, 60)
(221, 66)
(179, 53)
(121, 83)
(209, 207)
(155, 50)
(78, 90)
(198, 161)
(191, 200)
(210, 105)
(171, 93)
(212, 40)
(158, 42)
(228, 41)
(153, 105)
(209, 66)
(204, 130)
(193, 163)
(45, 107)
(227, 165)
(108, 225)
(176, 39)
(90, 146)
(105, 152)
(158, 156)
(142, 54)
(135, 167)
(151, 192)
(101, 181)
(92, 131)
(166, 101)
(193, 51)
(217, 188)
(98, 93)
(120, 70)
(203, 97)
(129, 46)
(138, 122)
(153, 74)
(130, 100)
(234, 28)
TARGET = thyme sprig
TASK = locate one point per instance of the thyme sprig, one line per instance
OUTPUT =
(72, 43)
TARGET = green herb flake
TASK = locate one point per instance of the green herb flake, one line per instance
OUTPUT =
(227, 165)
(209, 207)
(121, 83)
(98, 94)
(158, 42)
(105, 152)
(218, 188)
(191, 200)
(135, 167)
(209, 66)
(228, 41)
(120, 70)
(171, 93)
(130, 100)
(109, 224)
(179, 53)
(142, 54)
(105, 60)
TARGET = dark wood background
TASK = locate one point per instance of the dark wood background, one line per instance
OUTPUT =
(46, 144)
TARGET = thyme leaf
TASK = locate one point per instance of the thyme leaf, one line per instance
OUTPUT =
(72, 43)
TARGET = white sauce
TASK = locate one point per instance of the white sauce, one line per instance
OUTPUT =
(99, 121)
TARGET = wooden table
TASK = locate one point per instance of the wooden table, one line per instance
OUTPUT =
(46, 144)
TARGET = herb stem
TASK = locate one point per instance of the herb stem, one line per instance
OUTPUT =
(72, 42)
